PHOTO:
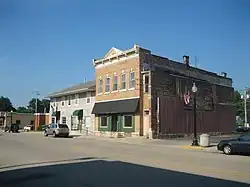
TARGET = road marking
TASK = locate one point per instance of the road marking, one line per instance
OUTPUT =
(192, 147)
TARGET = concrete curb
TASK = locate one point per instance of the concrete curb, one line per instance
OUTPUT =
(211, 149)
(193, 147)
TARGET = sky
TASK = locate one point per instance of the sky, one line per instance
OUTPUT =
(48, 45)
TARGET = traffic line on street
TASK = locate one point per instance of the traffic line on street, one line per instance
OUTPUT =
(192, 147)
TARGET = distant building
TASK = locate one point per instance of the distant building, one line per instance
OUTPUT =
(73, 106)
(22, 119)
(138, 92)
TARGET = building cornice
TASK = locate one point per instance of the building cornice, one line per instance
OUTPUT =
(126, 54)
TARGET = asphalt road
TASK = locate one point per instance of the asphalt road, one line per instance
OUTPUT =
(29, 159)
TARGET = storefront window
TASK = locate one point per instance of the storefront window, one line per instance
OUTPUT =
(128, 121)
(104, 121)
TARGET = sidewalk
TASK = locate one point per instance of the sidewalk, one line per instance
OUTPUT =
(179, 144)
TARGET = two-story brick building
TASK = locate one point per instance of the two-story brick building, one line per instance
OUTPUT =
(138, 92)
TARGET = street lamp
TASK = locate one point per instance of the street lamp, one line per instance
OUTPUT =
(245, 96)
(194, 90)
(11, 117)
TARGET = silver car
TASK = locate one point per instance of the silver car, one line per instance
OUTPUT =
(57, 130)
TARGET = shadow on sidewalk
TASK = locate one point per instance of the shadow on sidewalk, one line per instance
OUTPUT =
(108, 174)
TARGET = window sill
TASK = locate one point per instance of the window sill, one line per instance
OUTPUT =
(115, 91)
(123, 90)
(127, 127)
(99, 94)
(131, 89)
(107, 93)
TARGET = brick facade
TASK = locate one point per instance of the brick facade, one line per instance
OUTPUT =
(154, 76)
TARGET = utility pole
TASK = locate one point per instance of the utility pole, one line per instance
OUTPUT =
(36, 119)
(245, 96)
(37, 94)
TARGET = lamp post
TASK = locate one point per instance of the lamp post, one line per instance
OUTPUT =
(11, 117)
(245, 96)
(194, 90)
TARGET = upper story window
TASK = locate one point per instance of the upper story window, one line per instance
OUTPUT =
(63, 99)
(107, 89)
(92, 94)
(83, 95)
(88, 100)
(69, 100)
(77, 99)
(132, 80)
(115, 83)
(73, 97)
(100, 86)
(54, 102)
(123, 81)
(146, 83)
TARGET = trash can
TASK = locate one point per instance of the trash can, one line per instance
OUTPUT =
(204, 140)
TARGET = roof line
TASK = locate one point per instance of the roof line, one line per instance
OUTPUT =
(68, 92)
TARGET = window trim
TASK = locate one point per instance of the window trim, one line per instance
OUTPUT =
(146, 85)
(108, 84)
(114, 83)
(77, 99)
(68, 98)
(100, 91)
(101, 126)
(87, 100)
(125, 81)
(63, 101)
(131, 121)
(54, 102)
(130, 80)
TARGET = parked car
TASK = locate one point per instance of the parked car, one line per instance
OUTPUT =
(12, 128)
(57, 130)
(242, 129)
(239, 144)
(28, 128)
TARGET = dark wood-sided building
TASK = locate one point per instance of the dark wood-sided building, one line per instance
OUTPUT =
(171, 81)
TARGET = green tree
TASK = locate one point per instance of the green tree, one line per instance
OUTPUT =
(22, 109)
(239, 105)
(42, 105)
(6, 105)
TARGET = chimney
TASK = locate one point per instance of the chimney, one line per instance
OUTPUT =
(186, 60)
(224, 74)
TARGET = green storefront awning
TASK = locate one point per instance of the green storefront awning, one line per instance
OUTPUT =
(78, 113)
(54, 114)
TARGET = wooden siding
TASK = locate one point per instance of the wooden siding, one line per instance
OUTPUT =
(174, 119)
(213, 111)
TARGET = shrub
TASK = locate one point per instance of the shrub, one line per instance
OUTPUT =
(40, 127)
